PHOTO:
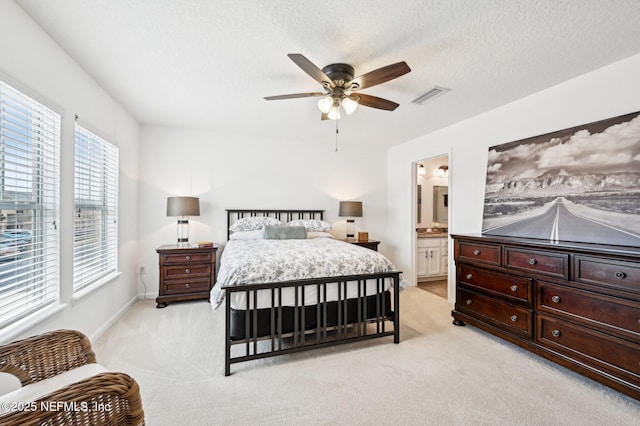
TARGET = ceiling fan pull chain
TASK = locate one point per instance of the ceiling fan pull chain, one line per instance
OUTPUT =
(336, 136)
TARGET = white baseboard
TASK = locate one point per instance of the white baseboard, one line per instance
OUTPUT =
(113, 319)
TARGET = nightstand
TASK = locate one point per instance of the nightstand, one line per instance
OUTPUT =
(185, 273)
(370, 244)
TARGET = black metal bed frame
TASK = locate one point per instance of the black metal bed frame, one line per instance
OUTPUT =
(327, 331)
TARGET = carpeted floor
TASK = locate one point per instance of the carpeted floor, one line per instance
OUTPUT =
(439, 374)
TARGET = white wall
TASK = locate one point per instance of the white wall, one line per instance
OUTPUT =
(32, 62)
(238, 172)
(608, 92)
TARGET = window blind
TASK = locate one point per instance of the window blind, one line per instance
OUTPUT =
(29, 197)
(95, 251)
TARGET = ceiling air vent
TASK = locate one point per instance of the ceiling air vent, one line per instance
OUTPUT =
(430, 95)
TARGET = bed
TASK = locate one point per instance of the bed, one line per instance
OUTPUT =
(287, 290)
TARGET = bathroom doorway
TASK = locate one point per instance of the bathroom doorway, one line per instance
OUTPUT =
(432, 225)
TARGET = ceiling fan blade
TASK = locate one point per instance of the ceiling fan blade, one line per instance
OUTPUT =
(379, 76)
(310, 68)
(324, 116)
(294, 95)
(375, 102)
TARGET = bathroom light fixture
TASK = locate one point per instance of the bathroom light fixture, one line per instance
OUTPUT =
(183, 207)
(442, 171)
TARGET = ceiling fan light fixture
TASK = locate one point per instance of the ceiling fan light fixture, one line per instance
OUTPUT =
(325, 103)
(334, 113)
(349, 105)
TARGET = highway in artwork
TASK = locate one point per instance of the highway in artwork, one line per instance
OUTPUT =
(558, 224)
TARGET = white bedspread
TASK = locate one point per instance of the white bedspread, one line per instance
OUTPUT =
(265, 261)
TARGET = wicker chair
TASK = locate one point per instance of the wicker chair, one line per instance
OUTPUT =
(107, 398)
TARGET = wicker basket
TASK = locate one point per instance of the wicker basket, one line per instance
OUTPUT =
(104, 399)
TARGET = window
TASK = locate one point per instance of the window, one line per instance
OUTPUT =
(29, 181)
(95, 244)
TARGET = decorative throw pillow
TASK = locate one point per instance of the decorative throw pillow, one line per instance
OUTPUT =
(284, 232)
(318, 234)
(311, 224)
(256, 234)
(253, 223)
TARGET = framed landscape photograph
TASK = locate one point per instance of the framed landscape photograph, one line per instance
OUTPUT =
(579, 184)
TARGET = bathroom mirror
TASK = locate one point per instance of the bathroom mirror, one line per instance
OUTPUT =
(440, 204)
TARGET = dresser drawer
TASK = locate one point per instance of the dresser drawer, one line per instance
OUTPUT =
(189, 271)
(618, 356)
(186, 258)
(607, 313)
(484, 253)
(512, 287)
(616, 274)
(190, 286)
(502, 314)
(548, 263)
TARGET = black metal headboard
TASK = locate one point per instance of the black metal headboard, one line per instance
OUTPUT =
(282, 215)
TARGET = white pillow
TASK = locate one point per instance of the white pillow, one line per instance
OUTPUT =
(257, 234)
(8, 383)
(317, 234)
(253, 223)
(312, 225)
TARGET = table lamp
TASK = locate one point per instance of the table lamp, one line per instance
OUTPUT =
(183, 207)
(351, 210)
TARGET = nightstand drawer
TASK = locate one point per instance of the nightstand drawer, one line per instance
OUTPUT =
(186, 258)
(196, 270)
(497, 312)
(548, 263)
(185, 273)
(484, 253)
(192, 286)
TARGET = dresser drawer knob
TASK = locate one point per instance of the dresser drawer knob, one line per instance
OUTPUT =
(555, 333)
(469, 276)
(187, 271)
(187, 286)
(532, 261)
(621, 275)
(187, 257)
(476, 252)
(514, 318)
(514, 288)
(555, 299)
(469, 301)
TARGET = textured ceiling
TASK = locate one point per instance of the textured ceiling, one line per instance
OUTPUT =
(208, 64)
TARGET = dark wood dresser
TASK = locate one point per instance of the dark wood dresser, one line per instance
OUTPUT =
(185, 273)
(575, 304)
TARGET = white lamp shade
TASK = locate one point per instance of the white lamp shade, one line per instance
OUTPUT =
(334, 113)
(325, 104)
(349, 105)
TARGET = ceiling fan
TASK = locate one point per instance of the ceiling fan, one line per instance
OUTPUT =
(341, 87)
